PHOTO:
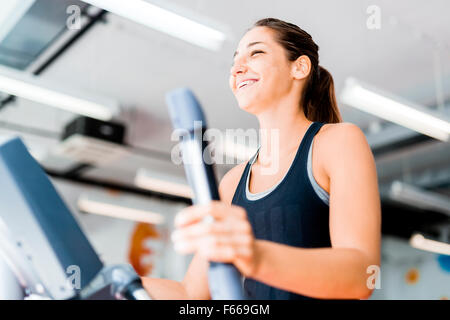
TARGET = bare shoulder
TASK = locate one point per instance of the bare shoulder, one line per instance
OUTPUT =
(338, 142)
(229, 182)
(340, 130)
(337, 135)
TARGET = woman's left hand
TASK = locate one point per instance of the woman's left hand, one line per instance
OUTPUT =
(228, 238)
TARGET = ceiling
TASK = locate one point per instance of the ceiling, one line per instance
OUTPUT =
(136, 66)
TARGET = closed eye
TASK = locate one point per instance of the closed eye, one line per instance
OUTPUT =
(255, 52)
(252, 54)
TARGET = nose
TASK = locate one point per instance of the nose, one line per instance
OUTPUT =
(238, 68)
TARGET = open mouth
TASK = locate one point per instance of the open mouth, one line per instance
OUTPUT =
(247, 83)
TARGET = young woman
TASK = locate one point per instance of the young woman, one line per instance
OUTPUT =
(309, 229)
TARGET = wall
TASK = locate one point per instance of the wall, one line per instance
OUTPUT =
(408, 273)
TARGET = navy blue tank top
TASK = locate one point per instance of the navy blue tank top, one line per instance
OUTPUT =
(292, 214)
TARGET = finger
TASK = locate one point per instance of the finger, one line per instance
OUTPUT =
(226, 210)
(189, 215)
(224, 253)
(239, 212)
(185, 247)
(229, 226)
(214, 239)
(207, 245)
(199, 244)
(195, 214)
(217, 209)
(196, 230)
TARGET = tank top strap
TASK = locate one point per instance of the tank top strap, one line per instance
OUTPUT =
(240, 190)
(301, 158)
(299, 164)
(307, 141)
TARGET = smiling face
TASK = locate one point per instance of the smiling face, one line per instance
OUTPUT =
(261, 74)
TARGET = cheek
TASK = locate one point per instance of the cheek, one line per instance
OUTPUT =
(276, 80)
(273, 81)
(231, 83)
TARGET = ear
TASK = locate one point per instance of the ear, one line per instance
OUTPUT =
(301, 67)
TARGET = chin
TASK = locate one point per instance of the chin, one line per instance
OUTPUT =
(248, 104)
(248, 107)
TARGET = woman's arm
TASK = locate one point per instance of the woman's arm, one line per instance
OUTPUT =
(324, 273)
(194, 285)
(355, 219)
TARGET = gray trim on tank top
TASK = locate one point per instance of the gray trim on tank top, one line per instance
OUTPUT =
(321, 193)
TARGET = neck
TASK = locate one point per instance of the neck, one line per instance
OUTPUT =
(281, 128)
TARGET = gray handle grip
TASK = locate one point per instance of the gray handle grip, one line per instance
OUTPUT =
(187, 115)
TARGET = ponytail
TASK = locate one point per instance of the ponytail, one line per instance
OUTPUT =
(318, 98)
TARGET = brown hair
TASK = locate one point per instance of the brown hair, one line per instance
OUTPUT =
(318, 97)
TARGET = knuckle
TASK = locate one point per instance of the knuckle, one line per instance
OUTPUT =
(210, 207)
(248, 240)
(212, 241)
(246, 227)
(208, 228)
(204, 251)
(243, 213)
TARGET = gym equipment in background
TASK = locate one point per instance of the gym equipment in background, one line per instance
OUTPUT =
(42, 243)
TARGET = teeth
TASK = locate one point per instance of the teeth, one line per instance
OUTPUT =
(247, 82)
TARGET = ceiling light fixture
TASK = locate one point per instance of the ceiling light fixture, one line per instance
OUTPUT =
(418, 241)
(117, 207)
(167, 21)
(32, 88)
(413, 196)
(168, 185)
(395, 109)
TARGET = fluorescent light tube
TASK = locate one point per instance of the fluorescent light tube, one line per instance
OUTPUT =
(420, 198)
(32, 88)
(161, 19)
(395, 109)
(117, 207)
(418, 241)
(155, 182)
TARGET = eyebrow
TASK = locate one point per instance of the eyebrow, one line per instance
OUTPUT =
(248, 46)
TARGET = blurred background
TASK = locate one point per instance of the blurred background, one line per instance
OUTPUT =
(83, 84)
